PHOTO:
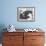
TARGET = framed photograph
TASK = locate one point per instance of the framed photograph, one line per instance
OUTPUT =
(25, 14)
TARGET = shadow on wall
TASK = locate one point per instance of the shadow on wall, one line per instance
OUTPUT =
(2, 26)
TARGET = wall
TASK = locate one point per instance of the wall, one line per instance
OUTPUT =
(8, 13)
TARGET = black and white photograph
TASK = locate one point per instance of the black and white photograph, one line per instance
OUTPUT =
(26, 14)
